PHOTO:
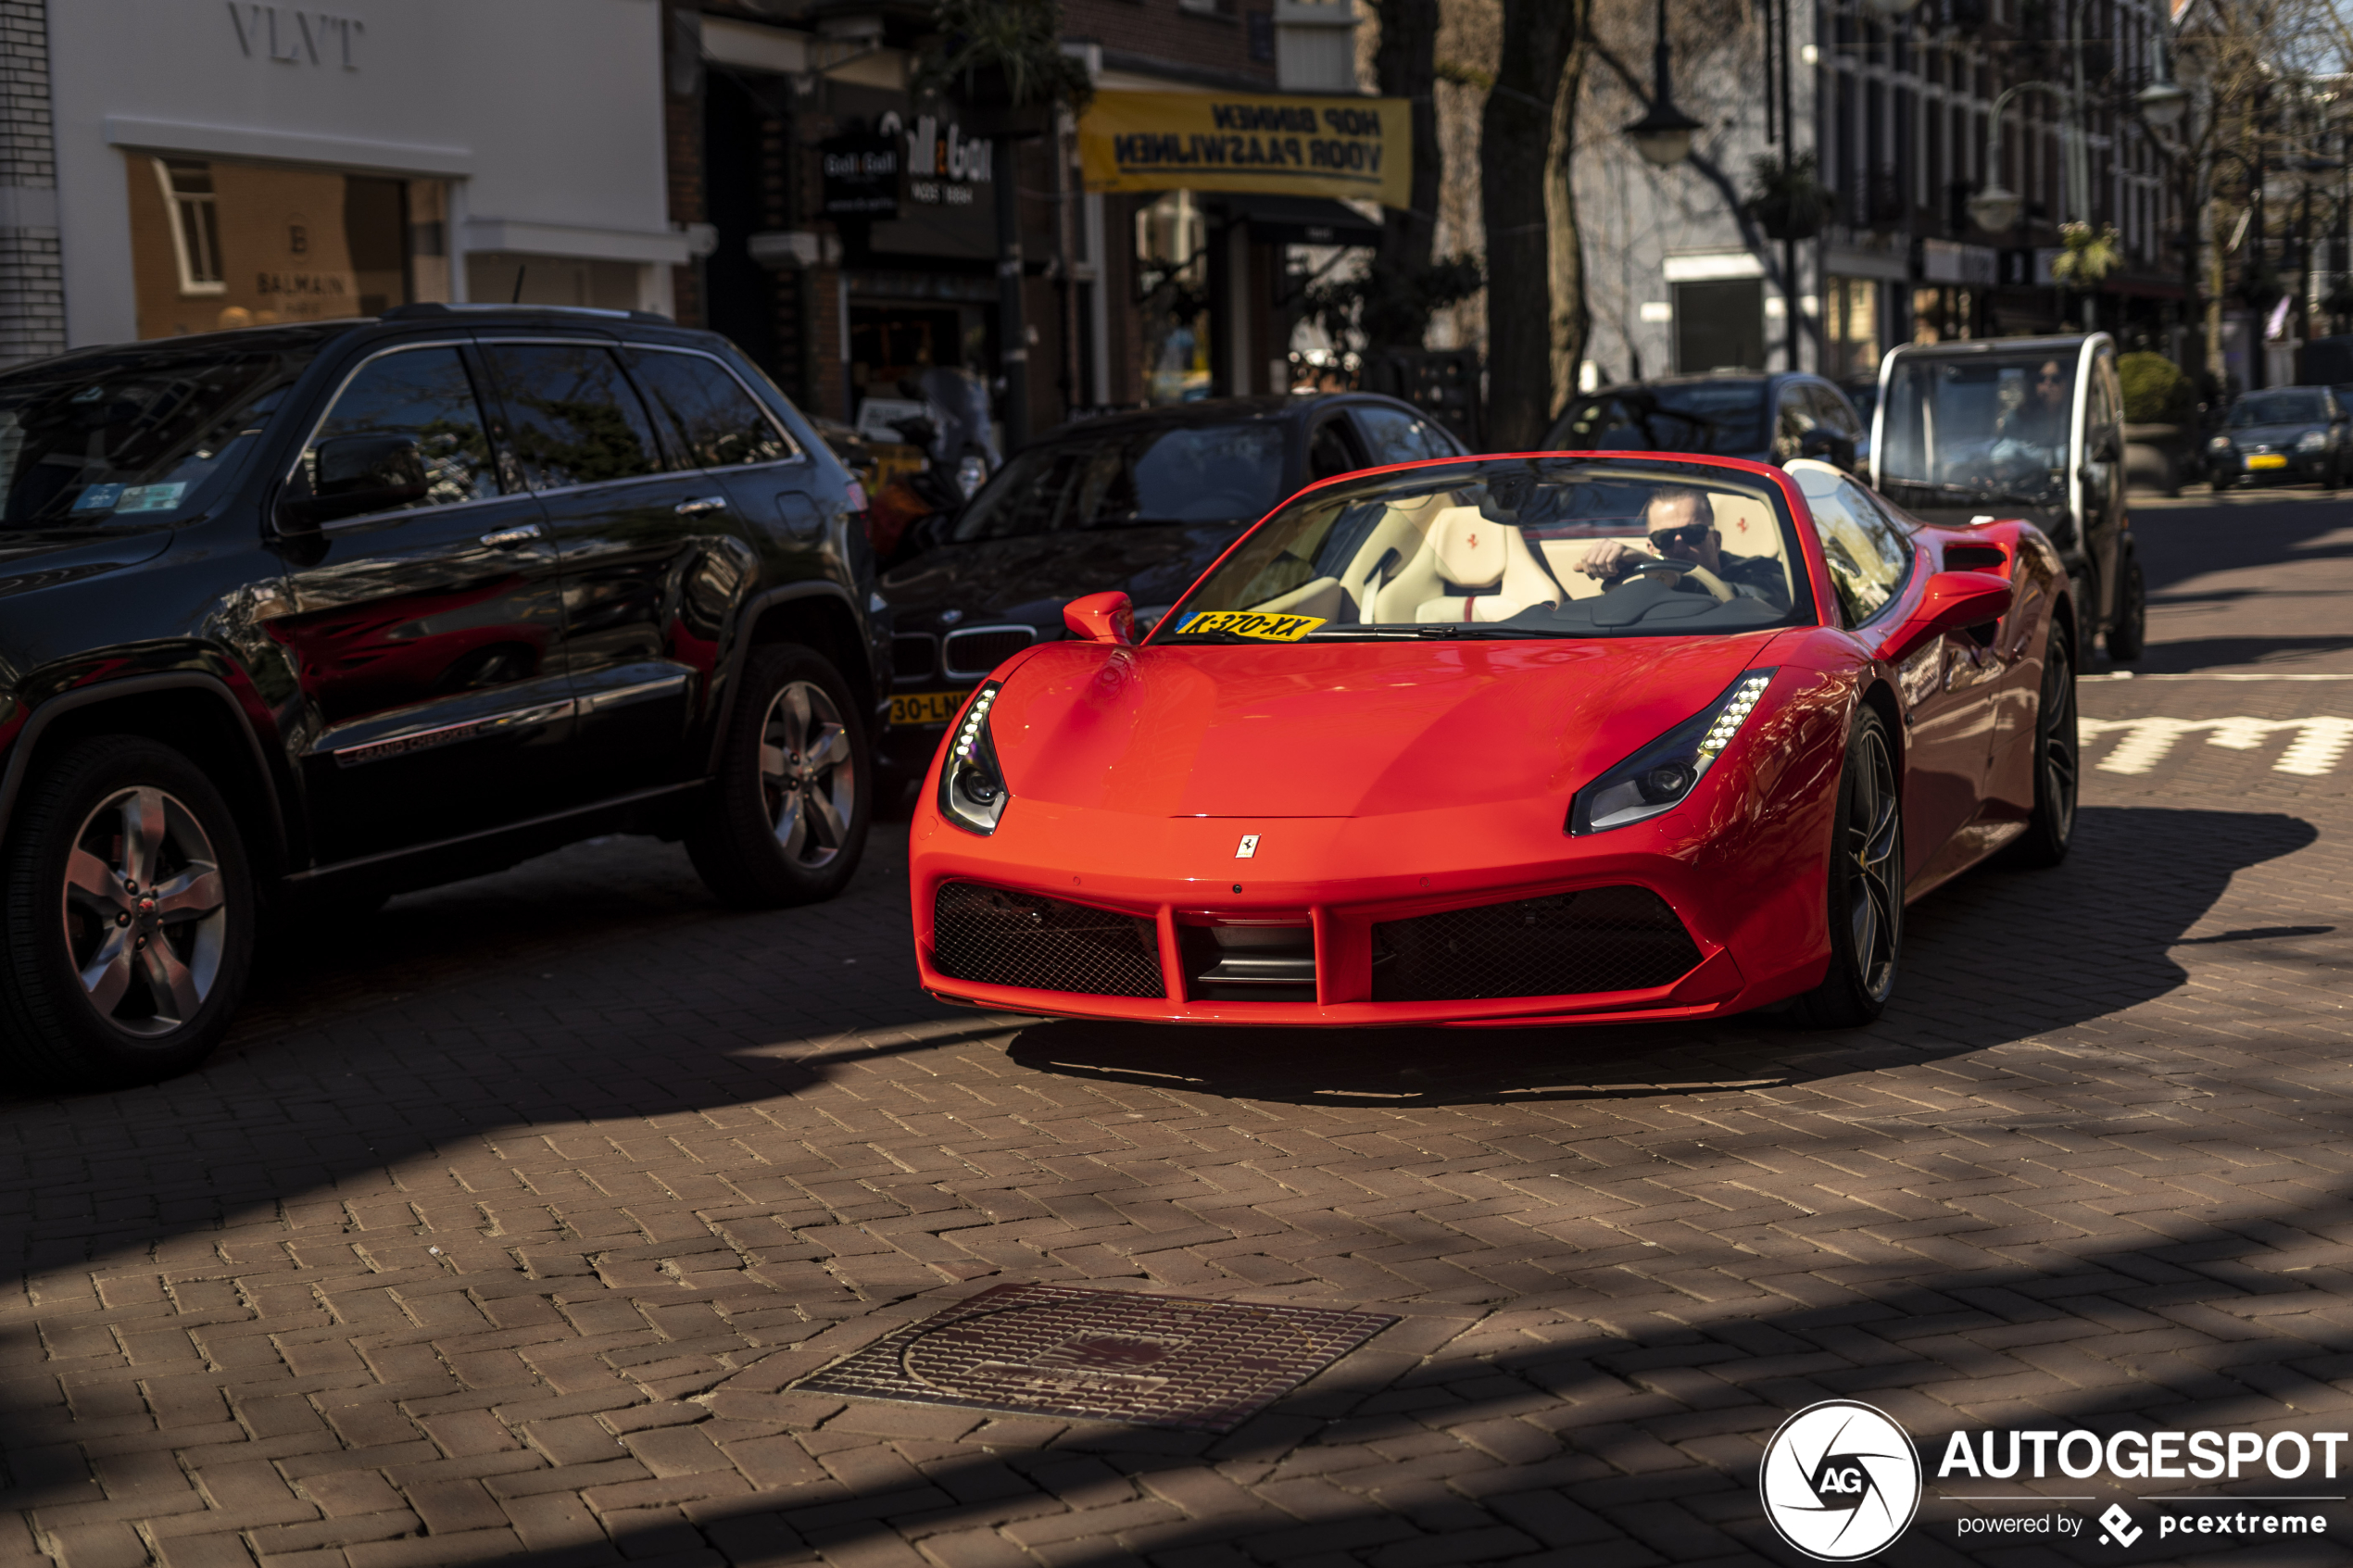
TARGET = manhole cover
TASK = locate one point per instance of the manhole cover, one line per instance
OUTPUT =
(1102, 1355)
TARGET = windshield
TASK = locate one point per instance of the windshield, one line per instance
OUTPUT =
(2295, 404)
(1724, 418)
(1508, 547)
(138, 432)
(1219, 473)
(1982, 426)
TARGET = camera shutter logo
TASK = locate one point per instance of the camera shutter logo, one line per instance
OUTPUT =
(1841, 1481)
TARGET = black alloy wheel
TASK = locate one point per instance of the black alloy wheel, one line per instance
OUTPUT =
(128, 914)
(1865, 892)
(2058, 759)
(786, 820)
(2128, 634)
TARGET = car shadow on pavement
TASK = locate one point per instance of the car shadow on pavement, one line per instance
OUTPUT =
(2176, 544)
(1994, 957)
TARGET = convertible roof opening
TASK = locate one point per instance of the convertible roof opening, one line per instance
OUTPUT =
(1516, 547)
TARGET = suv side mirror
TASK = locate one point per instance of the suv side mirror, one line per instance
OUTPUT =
(1828, 445)
(1101, 618)
(355, 474)
(1953, 601)
(2107, 448)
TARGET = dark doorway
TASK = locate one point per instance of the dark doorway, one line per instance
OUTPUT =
(1720, 326)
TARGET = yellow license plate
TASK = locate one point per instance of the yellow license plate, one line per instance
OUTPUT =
(2267, 460)
(920, 708)
(1250, 623)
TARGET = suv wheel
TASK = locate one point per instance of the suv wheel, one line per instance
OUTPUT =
(784, 821)
(126, 917)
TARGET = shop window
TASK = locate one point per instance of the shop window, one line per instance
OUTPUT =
(196, 223)
(1854, 329)
(1720, 326)
(1171, 269)
(217, 244)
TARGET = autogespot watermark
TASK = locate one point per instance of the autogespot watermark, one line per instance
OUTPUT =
(1843, 1481)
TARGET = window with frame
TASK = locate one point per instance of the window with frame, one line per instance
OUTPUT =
(424, 395)
(575, 417)
(713, 421)
(196, 223)
(1399, 437)
(1868, 555)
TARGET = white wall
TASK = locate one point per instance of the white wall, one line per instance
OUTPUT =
(546, 114)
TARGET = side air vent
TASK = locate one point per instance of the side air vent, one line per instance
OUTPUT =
(996, 937)
(1603, 939)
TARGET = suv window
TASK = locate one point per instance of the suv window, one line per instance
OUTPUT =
(1791, 420)
(1329, 453)
(713, 421)
(1868, 555)
(425, 394)
(1398, 437)
(576, 419)
(1832, 410)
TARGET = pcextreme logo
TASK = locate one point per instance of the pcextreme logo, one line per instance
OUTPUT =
(1840, 1481)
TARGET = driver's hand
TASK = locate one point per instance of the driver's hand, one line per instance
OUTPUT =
(1609, 561)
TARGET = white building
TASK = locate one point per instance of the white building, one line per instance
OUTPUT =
(178, 166)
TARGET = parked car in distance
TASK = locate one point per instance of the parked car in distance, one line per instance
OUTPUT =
(312, 614)
(1140, 502)
(2282, 435)
(1766, 418)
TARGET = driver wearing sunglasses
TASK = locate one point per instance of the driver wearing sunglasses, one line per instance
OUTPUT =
(1681, 526)
(2041, 418)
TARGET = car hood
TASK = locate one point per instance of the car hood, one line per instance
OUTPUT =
(1344, 729)
(2272, 436)
(1030, 579)
(44, 557)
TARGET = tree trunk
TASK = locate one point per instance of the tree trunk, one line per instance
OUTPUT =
(1572, 318)
(1516, 143)
(1405, 65)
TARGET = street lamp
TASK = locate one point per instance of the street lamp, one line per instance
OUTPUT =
(1994, 209)
(1664, 136)
(2162, 103)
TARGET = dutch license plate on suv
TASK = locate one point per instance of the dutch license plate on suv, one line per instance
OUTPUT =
(923, 709)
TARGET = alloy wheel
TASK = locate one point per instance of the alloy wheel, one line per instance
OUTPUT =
(1874, 888)
(2061, 756)
(145, 912)
(807, 773)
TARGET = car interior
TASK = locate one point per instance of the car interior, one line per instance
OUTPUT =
(1443, 558)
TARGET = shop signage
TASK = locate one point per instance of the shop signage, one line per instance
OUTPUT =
(862, 176)
(292, 36)
(1948, 261)
(1359, 147)
(943, 164)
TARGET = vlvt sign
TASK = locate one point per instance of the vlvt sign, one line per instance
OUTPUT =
(294, 37)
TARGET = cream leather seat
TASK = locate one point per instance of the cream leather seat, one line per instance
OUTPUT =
(1468, 551)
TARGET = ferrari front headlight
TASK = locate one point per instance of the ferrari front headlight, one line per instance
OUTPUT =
(972, 786)
(1663, 774)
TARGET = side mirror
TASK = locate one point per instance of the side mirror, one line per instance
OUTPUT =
(1953, 601)
(1101, 618)
(1828, 445)
(2109, 448)
(354, 474)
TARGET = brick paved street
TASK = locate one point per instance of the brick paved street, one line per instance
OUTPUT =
(505, 1218)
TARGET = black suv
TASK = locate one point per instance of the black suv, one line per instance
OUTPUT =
(299, 617)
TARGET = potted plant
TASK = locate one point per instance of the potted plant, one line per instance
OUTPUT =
(1789, 200)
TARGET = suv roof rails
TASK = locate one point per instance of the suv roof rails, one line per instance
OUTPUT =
(432, 308)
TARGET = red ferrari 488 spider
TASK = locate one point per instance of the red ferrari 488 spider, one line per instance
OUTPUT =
(1505, 740)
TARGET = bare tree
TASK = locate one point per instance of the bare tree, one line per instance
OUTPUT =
(1520, 145)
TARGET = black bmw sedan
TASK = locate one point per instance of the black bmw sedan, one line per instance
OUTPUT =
(1140, 502)
(2282, 435)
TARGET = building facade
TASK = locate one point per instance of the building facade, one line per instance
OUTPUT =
(1897, 109)
(212, 165)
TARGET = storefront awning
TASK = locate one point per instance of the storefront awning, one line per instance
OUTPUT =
(1301, 220)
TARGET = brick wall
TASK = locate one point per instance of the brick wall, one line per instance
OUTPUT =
(32, 301)
(1164, 30)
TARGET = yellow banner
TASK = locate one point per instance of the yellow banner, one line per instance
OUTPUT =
(1299, 147)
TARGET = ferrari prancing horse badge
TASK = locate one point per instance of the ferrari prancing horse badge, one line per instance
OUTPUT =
(1250, 846)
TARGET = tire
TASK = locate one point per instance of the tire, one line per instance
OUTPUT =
(785, 820)
(2058, 759)
(2128, 634)
(107, 814)
(1865, 886)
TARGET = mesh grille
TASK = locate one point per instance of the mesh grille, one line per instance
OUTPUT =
(1603, 939)
(1003, 938)
(911, 655)
(979, 651)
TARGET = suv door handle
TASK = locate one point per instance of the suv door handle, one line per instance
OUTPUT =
(699, 505)
(507, 538)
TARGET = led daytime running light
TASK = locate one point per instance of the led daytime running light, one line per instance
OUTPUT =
(1735, 713)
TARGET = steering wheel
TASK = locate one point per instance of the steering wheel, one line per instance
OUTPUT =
(1716, 587)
